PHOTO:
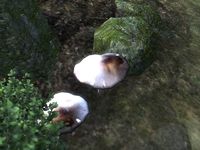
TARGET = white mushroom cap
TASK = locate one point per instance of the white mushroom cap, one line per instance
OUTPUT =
(101, 71)
(70, 102)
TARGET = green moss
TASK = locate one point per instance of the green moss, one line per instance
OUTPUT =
(128, 36)
(142, 10)
(133, 34)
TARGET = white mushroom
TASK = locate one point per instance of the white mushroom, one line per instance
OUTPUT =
(101, 71)
(72, 110)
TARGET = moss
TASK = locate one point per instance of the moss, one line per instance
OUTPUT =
(142, 10)
(128, 36)
(133, 35)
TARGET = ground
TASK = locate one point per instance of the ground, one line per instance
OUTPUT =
(156, 110)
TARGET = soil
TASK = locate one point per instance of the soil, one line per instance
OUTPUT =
(74, 22)
(139, 110)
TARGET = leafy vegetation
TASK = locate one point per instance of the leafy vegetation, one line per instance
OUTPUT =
(26, 42)
(23, 124)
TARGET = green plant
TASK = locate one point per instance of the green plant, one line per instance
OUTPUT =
(23, 124)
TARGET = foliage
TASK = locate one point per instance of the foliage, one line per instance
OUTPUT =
(26, 42)
(23, 124)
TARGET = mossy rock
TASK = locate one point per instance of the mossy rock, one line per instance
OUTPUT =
(26, 41)
(133, 34)
(130, 37)
(138, 9)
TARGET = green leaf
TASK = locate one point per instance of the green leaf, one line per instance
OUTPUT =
(2, 140)
(20, 109)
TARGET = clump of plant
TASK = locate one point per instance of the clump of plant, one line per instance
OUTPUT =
(23, 124)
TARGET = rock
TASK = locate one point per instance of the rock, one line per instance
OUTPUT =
(142, 10)
(130, 37)
(133, 34)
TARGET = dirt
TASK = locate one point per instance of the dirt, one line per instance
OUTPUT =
(136, 112)
(74, 22)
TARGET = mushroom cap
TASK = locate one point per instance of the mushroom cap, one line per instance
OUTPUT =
(101, 71)
(73, 103)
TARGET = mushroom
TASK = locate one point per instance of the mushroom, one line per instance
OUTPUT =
(101, 71)
(72, 110)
